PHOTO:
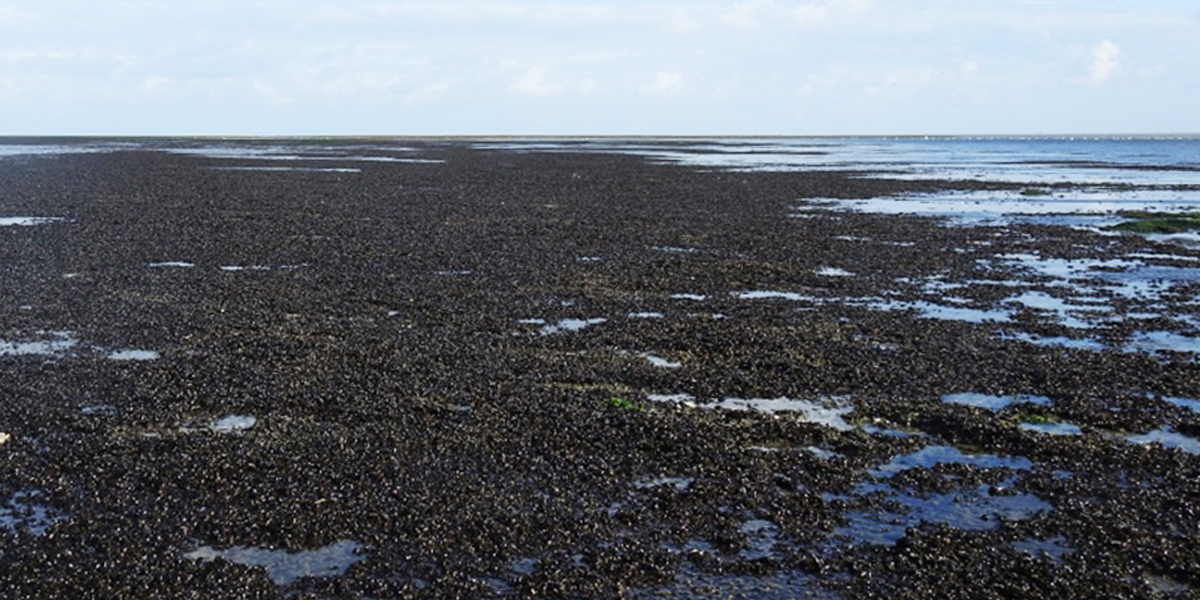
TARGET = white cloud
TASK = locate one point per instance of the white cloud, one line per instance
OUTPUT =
(534, 82)
(749, 14)
(816, 14)
(1105, 63)
(665, 83)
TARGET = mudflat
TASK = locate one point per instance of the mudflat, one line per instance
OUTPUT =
(466, 373)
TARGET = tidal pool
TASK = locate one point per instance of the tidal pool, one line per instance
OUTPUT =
(823, 412)
(1052, 428)
(1169, 438)
(23, 511)
(58, 343)
(233, 423)
(133, 355)
(972, 510)
(992, 403)
(284, 567)
(930, 456)
(28, 221)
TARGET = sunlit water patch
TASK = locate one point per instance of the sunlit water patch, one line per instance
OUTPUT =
(973, 510)
(1188, 403)
(1083, 207)
(233, 424)
(930, 456)
(1169, 438)
(55, 344)
(133, 355)
(171, 264)
(28, 221)
(1162, 341)
(993, 403)
(562, 325)
(23, 512)
(1052, 428)
(828, 412)
(283, 567)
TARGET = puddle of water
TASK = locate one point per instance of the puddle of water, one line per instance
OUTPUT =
(1053, 428)
(562, 325)
(696, 297)
(993, 403)
(761, 537)
(834, 272)
(930, 456)
(237, 268)
(684, 399)
(175, 264)
(28, 221)
(22, 511)
(1094, 207)
(1169, 439)
(822, 453)
(1054, 548)
(134, 355)
(771, 295)
(1188, 403)
(930, 310)
(646, 315)
(59, 343)
(233, 424)
(1159, 341)
(1065, 312)
(828, 413)
(679, 483)
(660, 362)
(1058, 341)
(973, 511)
(1165, 585)
(283, 567)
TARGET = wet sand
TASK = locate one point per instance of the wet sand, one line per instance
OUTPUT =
(517, 375)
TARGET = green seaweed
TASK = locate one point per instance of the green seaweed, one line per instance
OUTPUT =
(1039, 419)
(1157, 222)
(624, 404)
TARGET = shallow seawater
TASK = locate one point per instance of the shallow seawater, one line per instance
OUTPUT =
(23, 512)
(930, 456)
(1160, 341)
(1168, 438)
(28, 221)
(562, 325)
(1188, 403)
(134, 355)
(1080, 207)
(828, 412)
(233, 423)
(993, 403)
(55, 344)
(972, 510)
(1053, 428)
(283, 567)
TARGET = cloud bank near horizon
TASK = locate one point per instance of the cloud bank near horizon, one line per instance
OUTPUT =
(308, 67)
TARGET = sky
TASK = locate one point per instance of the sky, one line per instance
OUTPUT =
(657, 67)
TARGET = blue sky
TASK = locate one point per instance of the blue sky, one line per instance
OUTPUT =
(702, 67)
